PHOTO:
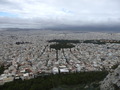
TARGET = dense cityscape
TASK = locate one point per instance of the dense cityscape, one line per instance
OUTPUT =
(27, 54)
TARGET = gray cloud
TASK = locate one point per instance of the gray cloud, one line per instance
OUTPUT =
(4, 1)
(60, 13)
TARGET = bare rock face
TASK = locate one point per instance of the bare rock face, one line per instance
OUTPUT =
(112, 81)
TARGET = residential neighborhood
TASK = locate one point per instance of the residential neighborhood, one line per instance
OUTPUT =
(28, 55)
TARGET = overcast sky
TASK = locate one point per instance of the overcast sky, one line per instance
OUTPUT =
(55, 13)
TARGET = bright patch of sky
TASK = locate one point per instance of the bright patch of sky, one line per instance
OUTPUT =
(6, 14)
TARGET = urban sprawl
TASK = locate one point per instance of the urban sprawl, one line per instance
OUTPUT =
(27, 54)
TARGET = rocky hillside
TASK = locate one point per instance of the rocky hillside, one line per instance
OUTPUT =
(112, 81)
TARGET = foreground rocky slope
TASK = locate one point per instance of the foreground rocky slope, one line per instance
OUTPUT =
(112, 81)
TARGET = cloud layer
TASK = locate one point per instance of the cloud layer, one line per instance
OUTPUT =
(49, 13)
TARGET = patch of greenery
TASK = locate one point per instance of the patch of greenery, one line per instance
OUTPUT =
(2, 69)
(115, 66)
(61, 46)
(53, 81)
(77, 87)
(94, 41)
(64, 41)
(84, 41)
(101, 41)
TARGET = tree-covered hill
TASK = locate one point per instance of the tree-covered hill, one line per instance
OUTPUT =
(53, 81)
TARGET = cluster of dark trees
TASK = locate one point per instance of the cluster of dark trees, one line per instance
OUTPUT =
(51, 81)
(70, 43)
(2, 69)
(64, 41)
(115, 66)
(60, 46)
(94, 41)
(18, 43)
(84, 41)
(101, 41)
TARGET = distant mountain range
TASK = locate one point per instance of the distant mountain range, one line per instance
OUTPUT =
(72, 28)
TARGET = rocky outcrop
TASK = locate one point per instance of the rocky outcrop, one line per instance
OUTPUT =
(112, 81)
